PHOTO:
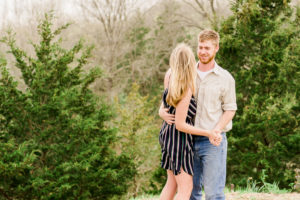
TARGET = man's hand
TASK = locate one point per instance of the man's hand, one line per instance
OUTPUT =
(169, 118)
(215, 137)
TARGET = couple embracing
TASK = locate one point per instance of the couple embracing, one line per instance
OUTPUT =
(198, 105)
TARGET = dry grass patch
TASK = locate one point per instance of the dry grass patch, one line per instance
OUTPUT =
(246, 196)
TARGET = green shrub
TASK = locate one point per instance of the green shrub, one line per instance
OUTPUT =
(138, 131)
(54, 139)
(260, 46)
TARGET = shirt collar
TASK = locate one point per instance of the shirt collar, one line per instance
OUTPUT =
(216, 68)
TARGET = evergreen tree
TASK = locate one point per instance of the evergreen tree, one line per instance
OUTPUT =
(54, 139)
(260, 47)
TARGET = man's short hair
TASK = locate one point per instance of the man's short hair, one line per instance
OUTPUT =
(209, 35)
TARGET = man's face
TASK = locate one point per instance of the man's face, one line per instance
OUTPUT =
(207, 51)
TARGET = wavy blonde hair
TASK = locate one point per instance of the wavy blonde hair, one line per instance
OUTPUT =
(183, 73)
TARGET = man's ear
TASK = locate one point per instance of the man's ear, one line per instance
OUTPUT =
(217, 48)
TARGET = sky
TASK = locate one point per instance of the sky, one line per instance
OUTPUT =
(21, 11)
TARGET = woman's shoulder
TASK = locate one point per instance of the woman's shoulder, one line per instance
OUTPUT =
(167, 78)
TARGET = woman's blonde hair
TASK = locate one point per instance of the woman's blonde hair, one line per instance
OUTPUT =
(183, 73)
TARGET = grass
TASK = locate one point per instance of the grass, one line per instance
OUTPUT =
(265, 187)
(253, 186)
(148, 197)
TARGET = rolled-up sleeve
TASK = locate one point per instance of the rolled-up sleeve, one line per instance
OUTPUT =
(229, 96)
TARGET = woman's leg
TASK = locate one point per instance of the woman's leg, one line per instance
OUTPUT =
(185, 185)
(169, 190)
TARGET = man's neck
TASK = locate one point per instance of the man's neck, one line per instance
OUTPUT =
(206, 67)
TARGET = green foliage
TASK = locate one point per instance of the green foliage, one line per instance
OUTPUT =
(138, 132)
(157, 181)
(262, 186)
(54, 139)
(260, 46)
(269, 187)
(149, 47)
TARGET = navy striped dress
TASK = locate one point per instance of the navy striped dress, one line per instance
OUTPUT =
(176, 146)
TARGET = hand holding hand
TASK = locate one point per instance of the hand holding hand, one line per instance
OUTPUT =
(168, 118)
(215, 137)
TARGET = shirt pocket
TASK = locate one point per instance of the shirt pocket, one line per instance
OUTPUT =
(213, 97)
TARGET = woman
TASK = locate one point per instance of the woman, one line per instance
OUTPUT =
(176, 139)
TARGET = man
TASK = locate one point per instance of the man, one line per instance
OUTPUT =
(216, 106)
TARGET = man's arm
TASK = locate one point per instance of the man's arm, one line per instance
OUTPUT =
(164, 112)
(225, 119)
(229, 105)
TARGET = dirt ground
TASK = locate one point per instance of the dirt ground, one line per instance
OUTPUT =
(262, 196)
(254, 196)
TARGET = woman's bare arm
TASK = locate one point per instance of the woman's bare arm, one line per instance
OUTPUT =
(167, 78)
(181, 114)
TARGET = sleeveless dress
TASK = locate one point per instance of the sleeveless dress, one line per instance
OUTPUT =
(177, 146)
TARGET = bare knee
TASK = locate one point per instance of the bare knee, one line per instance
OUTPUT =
(171, 184)
(187, 187)
(184, 184)
(170, 188)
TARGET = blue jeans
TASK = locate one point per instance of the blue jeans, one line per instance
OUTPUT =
(209, 169)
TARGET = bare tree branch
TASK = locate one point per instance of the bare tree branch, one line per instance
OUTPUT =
(201, 11)
(212, 7)
(189, 22)
(200, 5)
(206, 9)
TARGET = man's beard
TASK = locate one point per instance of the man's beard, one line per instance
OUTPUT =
(206, 61)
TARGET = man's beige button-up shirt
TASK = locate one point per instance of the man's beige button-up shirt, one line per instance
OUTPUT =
(214, 94)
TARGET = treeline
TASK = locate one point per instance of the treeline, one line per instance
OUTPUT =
(78, 120)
